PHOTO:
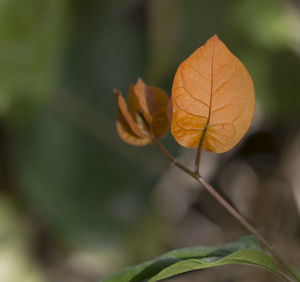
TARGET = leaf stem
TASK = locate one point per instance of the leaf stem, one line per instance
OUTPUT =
(197, 161)
(292, 271)
(172, 159)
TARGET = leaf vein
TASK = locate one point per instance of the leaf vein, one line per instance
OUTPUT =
(184, 110)
(226, 81)
(188, 129)
(198, 72)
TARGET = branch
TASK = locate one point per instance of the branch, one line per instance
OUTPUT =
(212, 191)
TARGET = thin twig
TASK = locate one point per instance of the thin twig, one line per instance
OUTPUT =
(171, 158)
(294, 273)
(248, 226)
(197, 161)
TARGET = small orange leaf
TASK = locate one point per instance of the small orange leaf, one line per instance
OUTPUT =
(127, 128)
(147, 114)
(213, 99)
(136, 111)
(153, 103)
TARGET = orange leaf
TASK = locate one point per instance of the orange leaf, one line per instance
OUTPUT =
(153, 103)
(136, 111)
(213, 99)
(127, 128)
(147, 114)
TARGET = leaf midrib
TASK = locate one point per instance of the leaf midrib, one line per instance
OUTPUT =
(210, 98)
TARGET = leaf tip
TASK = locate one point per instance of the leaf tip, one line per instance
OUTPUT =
(117, 92)
(140, 81)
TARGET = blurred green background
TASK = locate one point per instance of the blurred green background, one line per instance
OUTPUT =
(76, 203)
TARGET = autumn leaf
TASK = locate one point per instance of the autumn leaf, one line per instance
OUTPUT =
(213, 99)
(127, 127)
(146, 116)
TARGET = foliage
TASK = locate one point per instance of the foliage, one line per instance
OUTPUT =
(147, 114)
(212, 107)
(244, 251)
(213, 99)
(64, 166)
(212, 103)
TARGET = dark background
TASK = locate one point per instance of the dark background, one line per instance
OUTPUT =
(76, 203)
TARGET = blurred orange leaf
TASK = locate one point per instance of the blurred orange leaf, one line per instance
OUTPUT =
(213, 99)
(147, 114)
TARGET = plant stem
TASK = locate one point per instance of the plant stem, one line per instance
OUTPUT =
(293, 272)
(171, 158)
(197, 161)
(249, 227)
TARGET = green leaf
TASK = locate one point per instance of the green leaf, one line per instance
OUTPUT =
(245, 251)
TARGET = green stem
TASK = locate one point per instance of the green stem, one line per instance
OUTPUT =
(292, 271)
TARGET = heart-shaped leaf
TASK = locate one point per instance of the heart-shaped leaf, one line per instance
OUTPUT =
(213, 99)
